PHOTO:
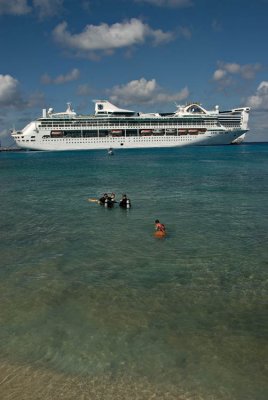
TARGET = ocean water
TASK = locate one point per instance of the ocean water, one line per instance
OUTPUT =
(93, 306)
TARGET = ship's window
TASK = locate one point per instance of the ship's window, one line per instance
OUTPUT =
(100, 107)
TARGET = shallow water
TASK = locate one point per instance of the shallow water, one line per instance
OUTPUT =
(92, 302)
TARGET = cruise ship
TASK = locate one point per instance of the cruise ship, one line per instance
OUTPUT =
(112, 127)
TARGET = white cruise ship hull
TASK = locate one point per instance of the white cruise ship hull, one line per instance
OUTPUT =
(65, 144)
(112, 127)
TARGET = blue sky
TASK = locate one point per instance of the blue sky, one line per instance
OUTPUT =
(144, 55)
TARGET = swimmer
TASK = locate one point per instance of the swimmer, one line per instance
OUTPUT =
(159, 227)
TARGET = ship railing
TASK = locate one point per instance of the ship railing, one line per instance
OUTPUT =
(127, 125)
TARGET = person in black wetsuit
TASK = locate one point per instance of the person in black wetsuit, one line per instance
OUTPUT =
(103, 199)
(125, 202)
(107, 200)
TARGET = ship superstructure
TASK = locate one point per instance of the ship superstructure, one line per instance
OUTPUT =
(114, 127)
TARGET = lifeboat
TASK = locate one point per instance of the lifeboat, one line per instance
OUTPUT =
(146, 131)
(56, 133)
(193, 131)
(183, 131)
(116, 132)
(171, 131)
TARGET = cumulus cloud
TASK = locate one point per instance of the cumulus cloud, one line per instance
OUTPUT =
(219, 74)
(144, 91)
(246, 71)
(107, 38)
(14, 7)
(259, 101)
(11, 97)
(60, 79)
(9, 91)
(168, 3)
(44, 8)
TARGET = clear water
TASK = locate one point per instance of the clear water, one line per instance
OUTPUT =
(90, 296)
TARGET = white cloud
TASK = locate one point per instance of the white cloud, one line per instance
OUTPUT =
(246, 71)
(144, 91)
(9, 91)
(259, 101)
(219, 74)
(232, 68)
(107, 38)
(60, 79)
(168, 3)
(15, 7)
(44, 8)
(11, 97)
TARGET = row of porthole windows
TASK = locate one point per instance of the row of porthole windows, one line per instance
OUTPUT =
(135, 139)
(135, 127)
(129, 138)
(23, 140)
(180, 139)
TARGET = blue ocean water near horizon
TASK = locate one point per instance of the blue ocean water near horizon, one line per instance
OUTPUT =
(89, 293)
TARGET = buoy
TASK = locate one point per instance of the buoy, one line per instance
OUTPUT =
(160, 234)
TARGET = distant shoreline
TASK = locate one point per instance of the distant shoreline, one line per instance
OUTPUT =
(10, 149)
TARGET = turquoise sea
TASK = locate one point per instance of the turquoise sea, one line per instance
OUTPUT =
(93, 306)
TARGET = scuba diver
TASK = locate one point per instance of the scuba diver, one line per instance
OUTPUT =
(125, 202)
(107, 200)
